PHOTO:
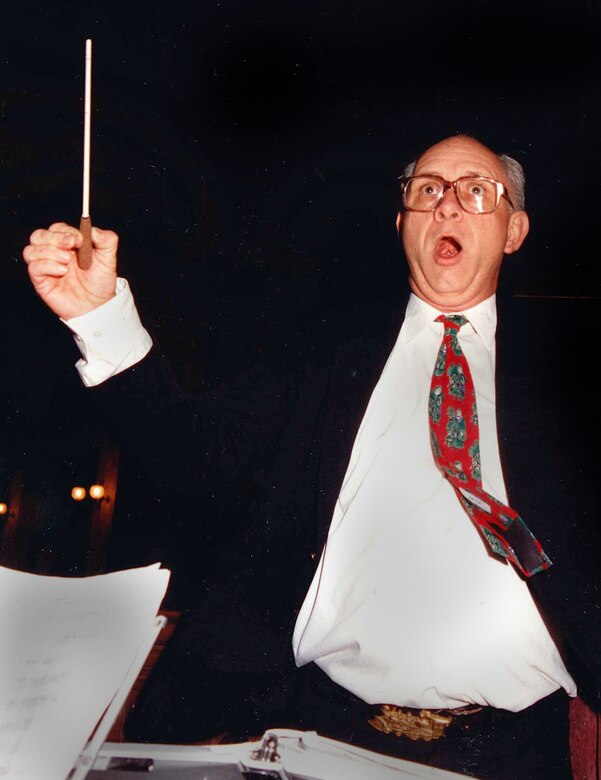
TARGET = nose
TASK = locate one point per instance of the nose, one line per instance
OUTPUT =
(448, 206)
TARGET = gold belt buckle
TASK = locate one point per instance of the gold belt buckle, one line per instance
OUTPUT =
(426, 725)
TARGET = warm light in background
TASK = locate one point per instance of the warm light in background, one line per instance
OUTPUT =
(3, 508)
(96, 491)
(78, 493)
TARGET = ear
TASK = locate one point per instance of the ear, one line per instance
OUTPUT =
(517, 230)
(399, 219)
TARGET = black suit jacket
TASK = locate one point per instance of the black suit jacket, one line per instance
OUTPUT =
(268, 453)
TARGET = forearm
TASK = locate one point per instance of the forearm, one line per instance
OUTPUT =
(194, 444)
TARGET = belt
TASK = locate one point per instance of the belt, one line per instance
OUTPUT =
(418, 724)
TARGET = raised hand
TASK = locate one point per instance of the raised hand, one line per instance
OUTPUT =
(68, 290)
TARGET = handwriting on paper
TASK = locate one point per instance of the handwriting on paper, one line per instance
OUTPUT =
(65, 646)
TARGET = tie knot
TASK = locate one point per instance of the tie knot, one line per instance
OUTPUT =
(453, 321)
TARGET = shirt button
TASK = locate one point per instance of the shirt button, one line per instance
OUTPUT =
(97, 334)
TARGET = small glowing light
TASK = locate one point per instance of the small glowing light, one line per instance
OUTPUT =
(78, 493)
(96, 491)
(3, 508)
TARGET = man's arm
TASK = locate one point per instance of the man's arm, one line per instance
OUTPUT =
(97, 307)
(183, 442)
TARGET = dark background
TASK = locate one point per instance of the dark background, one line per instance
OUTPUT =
(247, 154)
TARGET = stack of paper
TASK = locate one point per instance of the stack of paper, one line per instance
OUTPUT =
(66, 646)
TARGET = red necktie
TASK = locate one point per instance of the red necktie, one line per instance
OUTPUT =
(454, 436)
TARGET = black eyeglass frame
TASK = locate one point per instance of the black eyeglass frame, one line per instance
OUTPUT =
(501, 191)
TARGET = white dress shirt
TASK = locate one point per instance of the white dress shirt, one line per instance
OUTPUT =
(407, 607)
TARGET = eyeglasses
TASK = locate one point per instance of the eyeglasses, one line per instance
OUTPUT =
(475, 194)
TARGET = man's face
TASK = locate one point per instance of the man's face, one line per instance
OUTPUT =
(454, 257)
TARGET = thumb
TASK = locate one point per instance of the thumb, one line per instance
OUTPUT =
(105, 243)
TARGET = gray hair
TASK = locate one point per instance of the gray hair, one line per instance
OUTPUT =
(515, 178)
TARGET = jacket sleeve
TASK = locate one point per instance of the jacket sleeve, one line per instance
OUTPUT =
(183, 442)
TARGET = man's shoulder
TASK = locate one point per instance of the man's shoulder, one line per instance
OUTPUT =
(351, 324)
(546, 332)
(554, 313)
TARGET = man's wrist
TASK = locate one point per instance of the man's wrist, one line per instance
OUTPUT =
(110, 338)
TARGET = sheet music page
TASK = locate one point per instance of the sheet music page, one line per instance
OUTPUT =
(65, 647)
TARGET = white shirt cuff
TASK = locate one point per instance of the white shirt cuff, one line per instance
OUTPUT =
(110, 338)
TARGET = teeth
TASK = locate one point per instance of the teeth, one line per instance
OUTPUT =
(448, 247)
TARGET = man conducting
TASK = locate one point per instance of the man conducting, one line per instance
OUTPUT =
(448, 445)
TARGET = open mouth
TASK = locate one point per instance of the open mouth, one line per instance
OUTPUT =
(447, 247)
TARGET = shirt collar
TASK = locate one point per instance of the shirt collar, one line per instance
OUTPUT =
(482, 318)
